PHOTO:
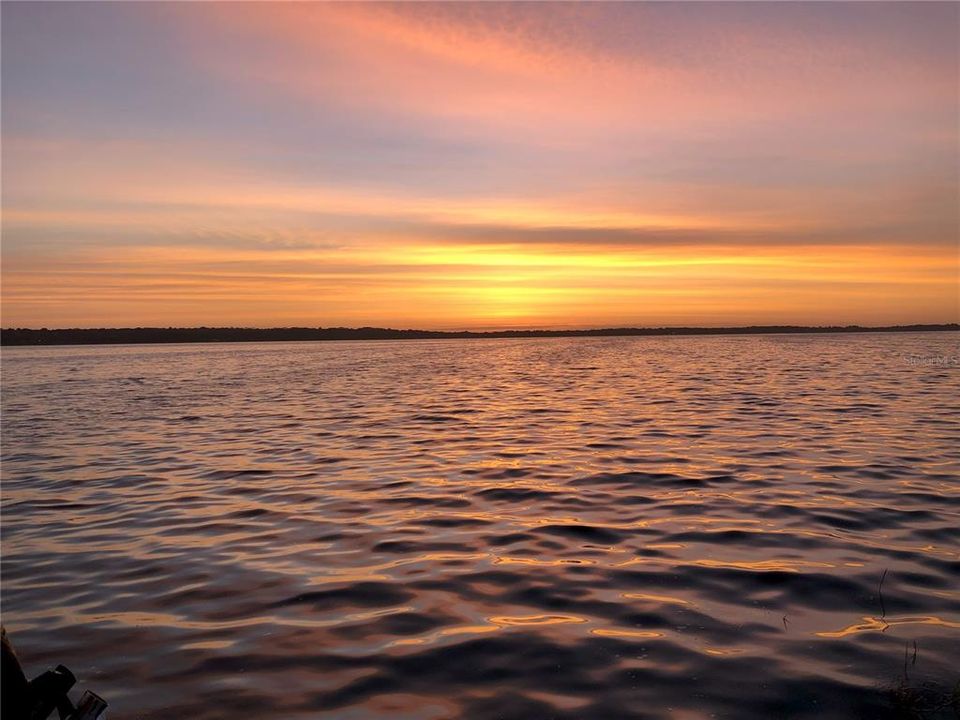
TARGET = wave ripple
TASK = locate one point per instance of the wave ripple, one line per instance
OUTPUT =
(530, 528)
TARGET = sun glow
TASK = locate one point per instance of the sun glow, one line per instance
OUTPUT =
(438, 167)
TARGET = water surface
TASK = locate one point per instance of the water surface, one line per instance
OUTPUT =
(521, 528)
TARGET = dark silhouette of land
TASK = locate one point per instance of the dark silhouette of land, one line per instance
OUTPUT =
(118, 336)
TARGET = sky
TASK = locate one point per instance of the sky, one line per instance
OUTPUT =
(479, 166)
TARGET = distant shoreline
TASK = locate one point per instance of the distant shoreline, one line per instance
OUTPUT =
(127, 336)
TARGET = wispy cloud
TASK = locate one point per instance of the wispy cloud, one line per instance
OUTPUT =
(462, 164)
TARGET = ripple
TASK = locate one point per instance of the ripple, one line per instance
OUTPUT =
(566, 528)
(619, 633)
(590, 533)
(872, 624)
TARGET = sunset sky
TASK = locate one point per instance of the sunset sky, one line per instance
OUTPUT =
(479, 165)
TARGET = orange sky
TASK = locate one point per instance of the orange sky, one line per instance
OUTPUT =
(479, 165)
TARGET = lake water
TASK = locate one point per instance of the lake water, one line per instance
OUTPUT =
(522, 528)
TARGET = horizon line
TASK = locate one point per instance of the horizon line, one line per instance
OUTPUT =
(201, 334)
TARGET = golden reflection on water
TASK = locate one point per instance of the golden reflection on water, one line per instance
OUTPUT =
(447, 632)
(874, 624)
(782, 565)
(209, 645)
(495, 623)
(536, 619)
(617, 632)
(505, 560)
(722, 652)
(655, 598)
(560, 700)
(506, 622)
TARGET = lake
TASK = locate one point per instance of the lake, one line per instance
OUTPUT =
(661, 527)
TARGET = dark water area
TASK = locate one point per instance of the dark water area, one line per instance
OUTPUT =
(533, 528)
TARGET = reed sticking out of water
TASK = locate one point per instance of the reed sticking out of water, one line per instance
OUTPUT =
(883, 608)
(912, 700)
(923, 700)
